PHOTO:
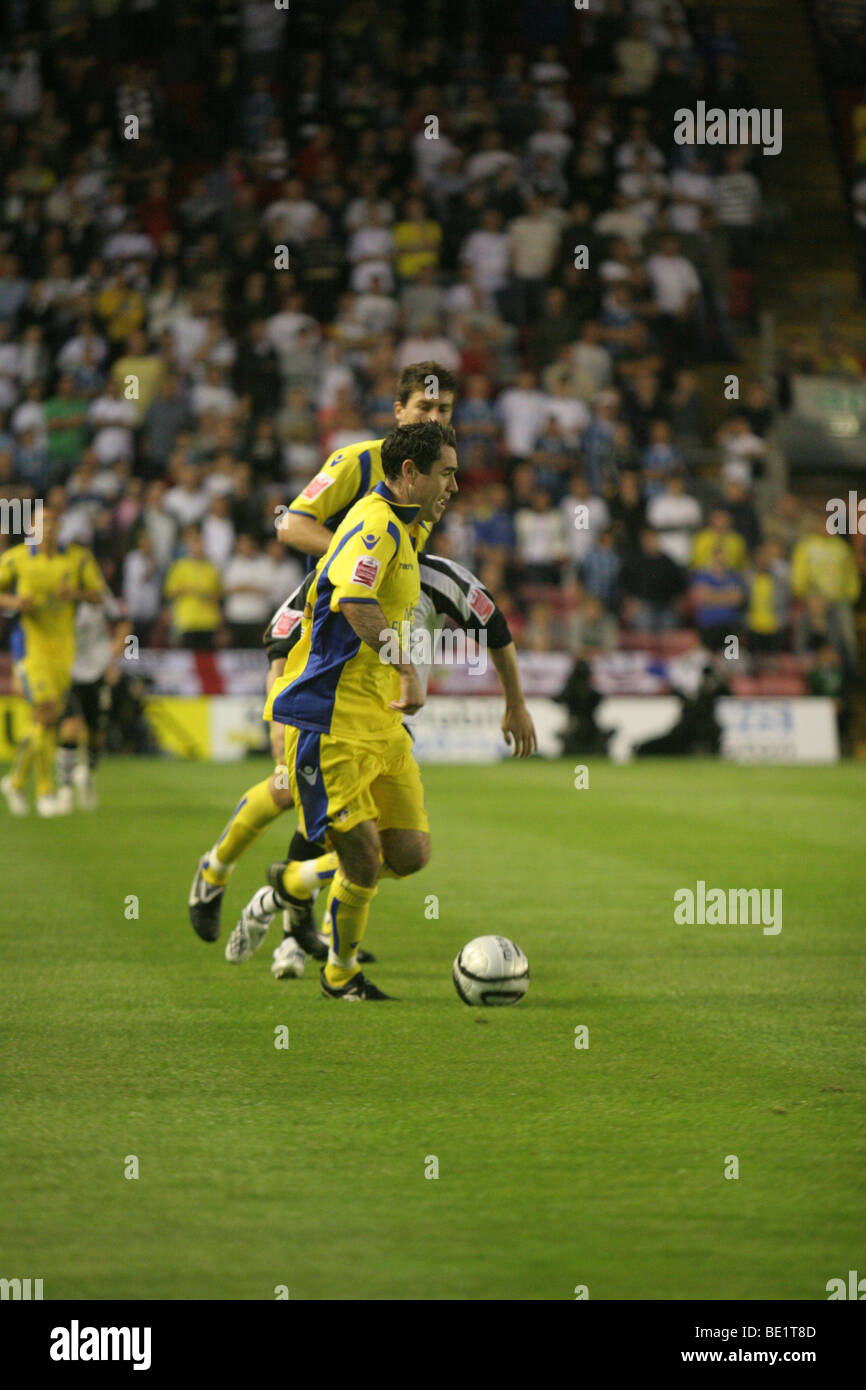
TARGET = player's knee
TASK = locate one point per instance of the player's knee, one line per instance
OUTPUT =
(408, 855)
(359, 854)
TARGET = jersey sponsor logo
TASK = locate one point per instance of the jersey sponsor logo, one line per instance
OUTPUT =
(318, 484)
(286, 622)
(369, 540)
(365, 571)
(480, 604)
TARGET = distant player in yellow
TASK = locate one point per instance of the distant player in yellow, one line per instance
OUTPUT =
(344, 695)
(425, 392)
(42, 585)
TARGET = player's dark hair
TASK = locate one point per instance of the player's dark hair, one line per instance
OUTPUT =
(416, 377)
(422, 443)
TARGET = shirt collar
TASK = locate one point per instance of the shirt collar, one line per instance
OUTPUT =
(405, 513)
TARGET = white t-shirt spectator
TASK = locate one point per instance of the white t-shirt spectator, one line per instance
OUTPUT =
(550, 142)
(357, 212)
(534, 242)
(571, 415)
(129, 246)
(521, 414)
(30, 415)
(487, 254)
(286, 575)
(284, 328)
(206, 398)
(686, 217)
(430, 155)
(673, 280)
(114, 421)
(676, 517)
(189, 334)
(254, 575)
(579, 540)
(486, 164)
(369, 253)
(185, 508)
(218, 538)
(296, 214)
(142, 588)
(375, 313)
(540, 538)
(79, 347)
(437, 349)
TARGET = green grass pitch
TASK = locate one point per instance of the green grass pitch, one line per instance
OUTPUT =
(305, 1167)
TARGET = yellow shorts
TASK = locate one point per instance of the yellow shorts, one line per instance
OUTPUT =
(339, 784)
(43, 683)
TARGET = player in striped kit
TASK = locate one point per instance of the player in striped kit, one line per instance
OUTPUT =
(100, 632)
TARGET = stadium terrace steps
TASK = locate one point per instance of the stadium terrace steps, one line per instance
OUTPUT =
(817, 253)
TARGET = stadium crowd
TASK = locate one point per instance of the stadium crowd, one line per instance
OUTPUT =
(222, 239)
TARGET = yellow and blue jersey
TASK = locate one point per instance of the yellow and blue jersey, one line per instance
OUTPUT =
(46, 634)
(333, 682)
(344, 478)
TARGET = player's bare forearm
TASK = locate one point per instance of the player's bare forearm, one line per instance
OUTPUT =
(517, 727)
(303, 533)
(370, 624)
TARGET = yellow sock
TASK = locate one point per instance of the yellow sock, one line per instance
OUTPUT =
(302, 877)
(24, 755)
(253, 813)
(45, 744)
(345, 921)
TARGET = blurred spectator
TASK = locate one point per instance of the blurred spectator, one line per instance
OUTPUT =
(718, 597)
(676, 517)
(248, 590)
(540, 541)
(718, 534)
(822, 566)
(142, 587)
(767, 613)
(650, 583)
(193, 588)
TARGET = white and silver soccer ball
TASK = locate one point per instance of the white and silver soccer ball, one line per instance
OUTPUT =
(491, 970)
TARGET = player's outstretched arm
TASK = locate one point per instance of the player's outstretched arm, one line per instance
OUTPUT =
(304, 533)
(518, 729)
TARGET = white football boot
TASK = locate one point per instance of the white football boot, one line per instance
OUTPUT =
(250, 931)
(15, 799)
(289, 958)
(65, 799)
(85, 790)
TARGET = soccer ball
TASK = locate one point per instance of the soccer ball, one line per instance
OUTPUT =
(491, 970)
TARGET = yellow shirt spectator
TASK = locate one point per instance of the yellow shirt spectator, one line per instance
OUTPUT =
(417, 244)
(708, 541)
(762, 616)
(194, 588)
(823, 564)
(149, 372)
(121, 310)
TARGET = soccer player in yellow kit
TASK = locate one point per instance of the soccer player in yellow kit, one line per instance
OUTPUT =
(425, 392)
(42, 585)
(349, 759)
